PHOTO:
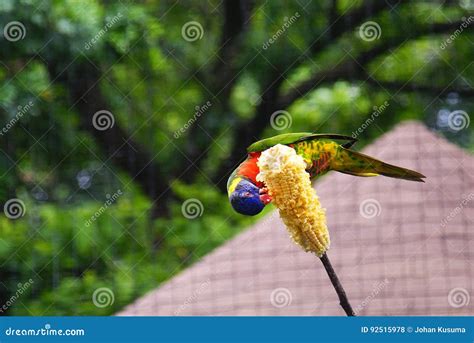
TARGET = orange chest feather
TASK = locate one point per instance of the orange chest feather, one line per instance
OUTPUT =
(249, 168)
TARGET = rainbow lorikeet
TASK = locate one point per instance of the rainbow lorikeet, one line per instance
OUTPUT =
(321, 152)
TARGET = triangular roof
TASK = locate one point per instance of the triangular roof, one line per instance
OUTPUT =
(416, 257)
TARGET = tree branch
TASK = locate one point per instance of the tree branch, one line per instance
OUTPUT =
(356, 67)
(343, 301)
(349, 21)
(401, 86)
(249, 131)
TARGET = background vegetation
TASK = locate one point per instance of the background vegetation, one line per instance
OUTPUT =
(135, 60)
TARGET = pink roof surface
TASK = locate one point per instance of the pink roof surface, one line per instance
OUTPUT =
(412, 255)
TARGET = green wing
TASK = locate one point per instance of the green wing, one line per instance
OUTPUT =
(290, 138)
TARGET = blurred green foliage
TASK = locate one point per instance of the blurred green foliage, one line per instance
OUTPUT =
(149, 81)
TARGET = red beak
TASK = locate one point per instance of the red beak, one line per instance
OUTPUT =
(265, 198)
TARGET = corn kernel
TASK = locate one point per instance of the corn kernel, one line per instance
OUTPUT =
(284, 174)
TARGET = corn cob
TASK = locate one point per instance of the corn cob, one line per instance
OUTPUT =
(284, 174)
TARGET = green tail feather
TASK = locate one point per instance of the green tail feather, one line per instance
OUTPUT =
(355, 163)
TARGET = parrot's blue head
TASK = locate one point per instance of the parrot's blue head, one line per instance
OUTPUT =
(245, 197)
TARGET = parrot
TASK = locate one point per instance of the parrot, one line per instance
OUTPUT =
(321, 153)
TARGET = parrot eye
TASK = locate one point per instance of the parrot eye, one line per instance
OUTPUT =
(246, 194)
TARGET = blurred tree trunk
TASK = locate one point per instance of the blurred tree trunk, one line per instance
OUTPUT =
(82, 81)
(219, 79)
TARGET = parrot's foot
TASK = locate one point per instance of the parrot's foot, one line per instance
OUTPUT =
(264, 196)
